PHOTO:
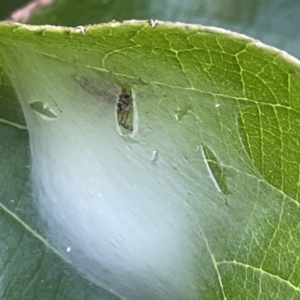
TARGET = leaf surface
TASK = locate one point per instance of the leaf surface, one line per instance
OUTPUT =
(270, 22)
(200, 201)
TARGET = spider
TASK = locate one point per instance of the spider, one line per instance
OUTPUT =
(124, 105)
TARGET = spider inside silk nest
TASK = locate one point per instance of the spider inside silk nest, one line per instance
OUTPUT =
(124, 106)
(124, 103)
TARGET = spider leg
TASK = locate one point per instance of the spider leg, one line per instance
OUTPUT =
(123, 115)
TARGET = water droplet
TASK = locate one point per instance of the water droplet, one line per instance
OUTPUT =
(154, 158)
(181, 113)
(43, 110)
(175, 167)
(216, 171)
(68, 249)
(187, 202)
(217, 104)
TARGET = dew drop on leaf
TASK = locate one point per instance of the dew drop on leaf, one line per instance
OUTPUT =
(216, 171)
(43, 110)
(155, 156)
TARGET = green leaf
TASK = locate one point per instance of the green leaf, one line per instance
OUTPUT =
(270, 22)
(199, 201)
